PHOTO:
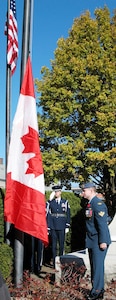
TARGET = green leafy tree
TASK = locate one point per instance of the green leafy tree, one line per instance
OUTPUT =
(77, 98)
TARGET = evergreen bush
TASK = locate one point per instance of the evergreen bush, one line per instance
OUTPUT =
(6, 261)
(6, 252)
(1, 216)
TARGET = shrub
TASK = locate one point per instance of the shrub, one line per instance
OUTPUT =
(6, 252)
(1, 216)
(6, 261)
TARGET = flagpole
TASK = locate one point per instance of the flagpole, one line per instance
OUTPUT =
(25, 36)
(8, 103)
(27, 29)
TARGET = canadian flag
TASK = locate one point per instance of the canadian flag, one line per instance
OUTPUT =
(25, 205)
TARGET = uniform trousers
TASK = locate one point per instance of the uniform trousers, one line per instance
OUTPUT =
(39, 247)
(57, 236)
(97, 257)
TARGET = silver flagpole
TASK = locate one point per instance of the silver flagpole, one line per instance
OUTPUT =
(26, 36)
(19, 240)
(8, 104)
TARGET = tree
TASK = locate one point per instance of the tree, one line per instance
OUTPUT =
(77, 123)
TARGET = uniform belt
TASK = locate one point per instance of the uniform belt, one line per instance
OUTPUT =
(58, 215)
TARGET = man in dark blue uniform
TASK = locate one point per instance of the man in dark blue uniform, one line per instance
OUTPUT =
(58, 218)
(97, 238)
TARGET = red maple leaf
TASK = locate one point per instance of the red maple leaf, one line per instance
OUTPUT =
(31, 144)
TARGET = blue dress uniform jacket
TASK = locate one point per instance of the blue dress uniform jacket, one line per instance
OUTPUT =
(58, 215)
(96, 224)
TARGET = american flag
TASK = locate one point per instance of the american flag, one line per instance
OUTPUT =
(12, 36)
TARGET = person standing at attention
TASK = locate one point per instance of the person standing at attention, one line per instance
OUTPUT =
(97, 238)
(58, 219)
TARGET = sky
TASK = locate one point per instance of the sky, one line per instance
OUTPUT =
(52, 19)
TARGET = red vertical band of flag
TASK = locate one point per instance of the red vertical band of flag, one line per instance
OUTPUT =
(11, 31)
(25, 190)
